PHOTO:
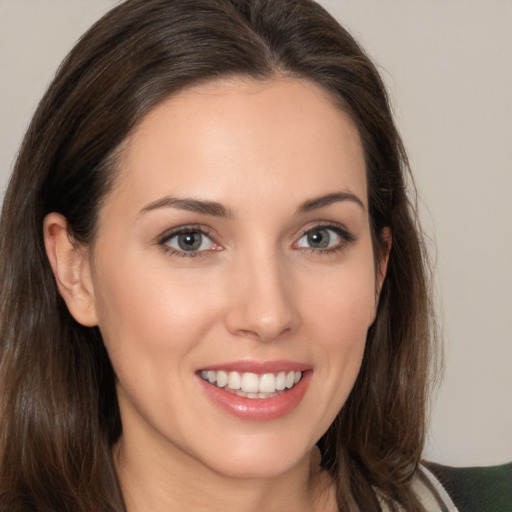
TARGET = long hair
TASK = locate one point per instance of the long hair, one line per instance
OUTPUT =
(59, 416)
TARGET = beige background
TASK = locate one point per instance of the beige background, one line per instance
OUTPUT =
(448, 65)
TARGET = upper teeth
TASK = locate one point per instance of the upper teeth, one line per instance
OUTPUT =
(252, 382)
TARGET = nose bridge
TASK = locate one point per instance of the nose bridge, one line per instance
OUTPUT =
(262, 305)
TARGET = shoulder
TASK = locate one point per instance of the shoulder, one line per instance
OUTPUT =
(473, 489)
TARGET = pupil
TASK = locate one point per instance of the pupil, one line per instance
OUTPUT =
(189, 241)
(319, 238)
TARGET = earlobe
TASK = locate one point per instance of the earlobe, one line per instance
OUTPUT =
(71, 269)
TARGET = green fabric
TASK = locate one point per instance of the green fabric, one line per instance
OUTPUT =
(477, 489)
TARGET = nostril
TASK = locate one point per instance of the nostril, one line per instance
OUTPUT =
(262, 307)
(265, 332)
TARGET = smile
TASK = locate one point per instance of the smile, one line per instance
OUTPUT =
(252, 385)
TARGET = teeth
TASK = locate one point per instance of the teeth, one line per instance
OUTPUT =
(234, 380)
(222, 379)
(267, 383)
(250, 382)
(281, 381)
(252, 385)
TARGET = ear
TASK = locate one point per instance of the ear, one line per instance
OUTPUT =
(386, 240)
(71, 268)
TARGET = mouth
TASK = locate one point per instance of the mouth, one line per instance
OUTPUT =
(256, 390)
(252, 385)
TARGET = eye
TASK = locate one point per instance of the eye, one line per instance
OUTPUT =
(323, 238)
(189, 241)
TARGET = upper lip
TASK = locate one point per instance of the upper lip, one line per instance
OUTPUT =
(259, 367)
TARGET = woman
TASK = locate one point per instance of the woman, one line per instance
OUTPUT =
(214, 286)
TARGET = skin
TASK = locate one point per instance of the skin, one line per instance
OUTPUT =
(255, 291)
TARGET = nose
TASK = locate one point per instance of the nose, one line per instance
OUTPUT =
(263, 303)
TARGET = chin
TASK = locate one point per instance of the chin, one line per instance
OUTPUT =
(254, 461)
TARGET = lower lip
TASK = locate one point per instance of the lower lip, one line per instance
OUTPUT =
(258, 409)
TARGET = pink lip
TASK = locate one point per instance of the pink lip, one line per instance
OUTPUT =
(259, 367)
(257, 409)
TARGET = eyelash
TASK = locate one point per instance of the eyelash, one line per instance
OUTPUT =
(345, 238)
(184, 230)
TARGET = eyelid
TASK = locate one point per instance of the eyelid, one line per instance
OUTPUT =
(327, 224)
(183, 228)
(164, 238)
(341, 231)
(345, 234)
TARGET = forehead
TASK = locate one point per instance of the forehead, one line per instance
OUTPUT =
(237, 138)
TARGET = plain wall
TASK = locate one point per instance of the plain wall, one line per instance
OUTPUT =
(448, 65)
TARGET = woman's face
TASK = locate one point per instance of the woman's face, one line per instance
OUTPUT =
(236, 247)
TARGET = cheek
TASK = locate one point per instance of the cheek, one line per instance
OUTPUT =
(340, 317)
(148, 311)
(343, 323)
(150, 326)
(344, 302)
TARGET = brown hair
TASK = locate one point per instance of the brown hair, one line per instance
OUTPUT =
(58, 407)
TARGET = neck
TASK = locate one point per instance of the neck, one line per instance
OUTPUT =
(158, 482)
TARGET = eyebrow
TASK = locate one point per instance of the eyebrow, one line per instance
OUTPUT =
(191, 205)
(323, 201)
(218, 210)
